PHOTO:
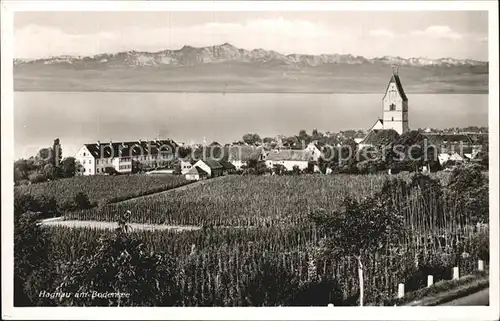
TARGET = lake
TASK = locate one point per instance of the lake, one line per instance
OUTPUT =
(83, 117)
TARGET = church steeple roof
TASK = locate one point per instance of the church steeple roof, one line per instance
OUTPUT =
(395, 79)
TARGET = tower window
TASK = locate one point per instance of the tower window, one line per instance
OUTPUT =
(392, 107)
(392, 118)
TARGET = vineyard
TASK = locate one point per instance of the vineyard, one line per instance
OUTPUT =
(101, 189)
(280, 260)
(221, 267)
(242, 201)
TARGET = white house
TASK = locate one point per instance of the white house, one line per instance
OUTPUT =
(240, 155)
(212, 167)
(446, 157)
(443, 158)
(289, 158)
(98, 158)
(314, 149)
(185, 166)
(195, 174)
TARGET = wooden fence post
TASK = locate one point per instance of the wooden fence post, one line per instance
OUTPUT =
(456, 274)
(430, 280)
(330, 305)
(480, 265)
(401, 290)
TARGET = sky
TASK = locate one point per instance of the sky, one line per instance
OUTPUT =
(436, 34)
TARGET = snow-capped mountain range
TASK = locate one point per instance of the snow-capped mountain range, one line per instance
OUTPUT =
(188, 56)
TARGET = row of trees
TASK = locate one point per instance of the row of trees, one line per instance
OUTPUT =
(47, 165)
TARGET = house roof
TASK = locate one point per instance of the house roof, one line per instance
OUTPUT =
(243, 153)
(226, 164)
(212, 163)
(314, 144)
(289, 155)
(380, 137)
(438, 139)
(395, 79)
(132, 148)
(378, 120)
(196, 170)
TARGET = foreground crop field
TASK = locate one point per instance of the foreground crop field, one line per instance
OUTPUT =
(102, 189)
(240, 267)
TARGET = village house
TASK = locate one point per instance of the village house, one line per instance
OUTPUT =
(452, 158)
(451, 143)
(289, 158)
(195, 174)
(98, 158)
(314, 149)
(185, 166)
(228, 168)
(378, 137)
(212, 167)
(240, 156)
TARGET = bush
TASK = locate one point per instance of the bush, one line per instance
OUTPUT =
(37, 177)
(32, 272)
(468, 189)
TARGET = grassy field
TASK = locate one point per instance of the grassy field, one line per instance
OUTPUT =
(102, 189)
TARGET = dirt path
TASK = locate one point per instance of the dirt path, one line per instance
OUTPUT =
(113, 225)
(176, 189)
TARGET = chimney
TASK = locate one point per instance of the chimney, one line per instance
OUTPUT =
(98, 143)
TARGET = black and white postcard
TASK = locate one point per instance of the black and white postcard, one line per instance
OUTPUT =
(302, 160)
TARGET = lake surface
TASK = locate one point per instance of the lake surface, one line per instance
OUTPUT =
(84, 117)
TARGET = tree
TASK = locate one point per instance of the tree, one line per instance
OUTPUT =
(44, 156)
(268, 140)
(68, 167)
(303, 137)
(279, 169)
(56, 148)
(82, 201)
(468, 189)
(291, 141)
(251, 138)
(184, 151)
(49, 172)
(359, 229)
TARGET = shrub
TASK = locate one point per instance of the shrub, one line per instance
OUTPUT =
(32, 272)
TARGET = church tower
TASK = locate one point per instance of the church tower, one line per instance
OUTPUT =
(395, 104)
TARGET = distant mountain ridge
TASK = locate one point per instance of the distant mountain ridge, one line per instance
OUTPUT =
(189, 56)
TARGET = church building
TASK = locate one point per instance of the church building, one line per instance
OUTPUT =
(395, 105)
(394, 120)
